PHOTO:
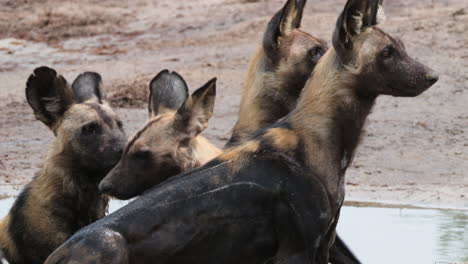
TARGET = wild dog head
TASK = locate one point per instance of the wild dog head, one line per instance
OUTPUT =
(379, 61)
(164, 146)
(291, 51)
(278, 72)
(89, 134)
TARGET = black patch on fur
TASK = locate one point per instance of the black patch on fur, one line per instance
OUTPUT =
(48, 95)
(86, 86)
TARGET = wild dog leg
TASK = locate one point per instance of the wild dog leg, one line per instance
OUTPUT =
(341, 254)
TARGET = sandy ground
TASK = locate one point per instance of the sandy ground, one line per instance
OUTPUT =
(414, 151)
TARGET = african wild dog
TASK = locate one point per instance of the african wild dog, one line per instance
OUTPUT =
(170, 141)
(275, 198)
(63, 197)
(277, 72)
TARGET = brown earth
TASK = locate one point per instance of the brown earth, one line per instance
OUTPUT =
(415, 150)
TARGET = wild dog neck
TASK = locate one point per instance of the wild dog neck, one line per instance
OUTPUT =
(329, 118)
(264, 98)
(203, 151)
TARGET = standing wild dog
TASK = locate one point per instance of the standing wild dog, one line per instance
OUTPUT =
(277, 72)
(63, 197)
(275, 198)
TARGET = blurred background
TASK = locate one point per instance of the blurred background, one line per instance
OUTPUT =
(414, 150)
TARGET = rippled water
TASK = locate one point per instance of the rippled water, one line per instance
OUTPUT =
(391, 235)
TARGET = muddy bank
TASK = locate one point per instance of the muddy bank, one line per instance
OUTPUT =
(415, 150)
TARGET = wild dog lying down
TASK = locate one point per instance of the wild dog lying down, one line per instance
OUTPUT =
(275, 198)
(63, 197)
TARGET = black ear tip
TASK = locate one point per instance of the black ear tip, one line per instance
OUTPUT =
(165, 77)
(211, 85)
(160, 74)
(96, 77)
(41, 76)
(44, 71)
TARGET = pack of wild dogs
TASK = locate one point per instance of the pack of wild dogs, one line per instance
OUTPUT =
(272, 195)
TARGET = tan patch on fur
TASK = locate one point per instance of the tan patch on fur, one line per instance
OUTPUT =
(282, 139)
(203, 150)
(250, 114)
(235, 156)
(238, 152)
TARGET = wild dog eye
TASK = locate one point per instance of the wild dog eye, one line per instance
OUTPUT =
(387, 52)
(91, 128)
(142, 154)
(315, 51)
(119, 124)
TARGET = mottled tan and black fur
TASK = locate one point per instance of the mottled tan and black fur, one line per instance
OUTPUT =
(275, 198)
(277, 72)
(63, 196)
(170, 142)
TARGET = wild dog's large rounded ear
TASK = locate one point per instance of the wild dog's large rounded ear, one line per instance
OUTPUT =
(86, 86)
(168, 91)
(356, 15)
(49, 95)
(192, 117)
(282, 24)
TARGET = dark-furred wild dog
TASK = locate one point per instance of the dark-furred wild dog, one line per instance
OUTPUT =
(275, 198)
(278, 71)
(63, 197)
(155, 150)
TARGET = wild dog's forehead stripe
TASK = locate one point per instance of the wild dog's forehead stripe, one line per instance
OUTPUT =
(79, 114)
(138, 134)
(387, 36)
(101, 112)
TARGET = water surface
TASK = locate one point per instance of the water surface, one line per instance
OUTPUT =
(390, 235)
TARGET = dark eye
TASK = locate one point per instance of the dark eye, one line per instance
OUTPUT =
(387, 52)
(119, 124)
(315, 51)
(142, 154)
(91, 128)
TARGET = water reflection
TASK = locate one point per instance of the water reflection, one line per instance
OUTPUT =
(390, 235)
(393, 235)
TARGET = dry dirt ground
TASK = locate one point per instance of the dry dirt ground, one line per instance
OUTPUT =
(414, 150)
